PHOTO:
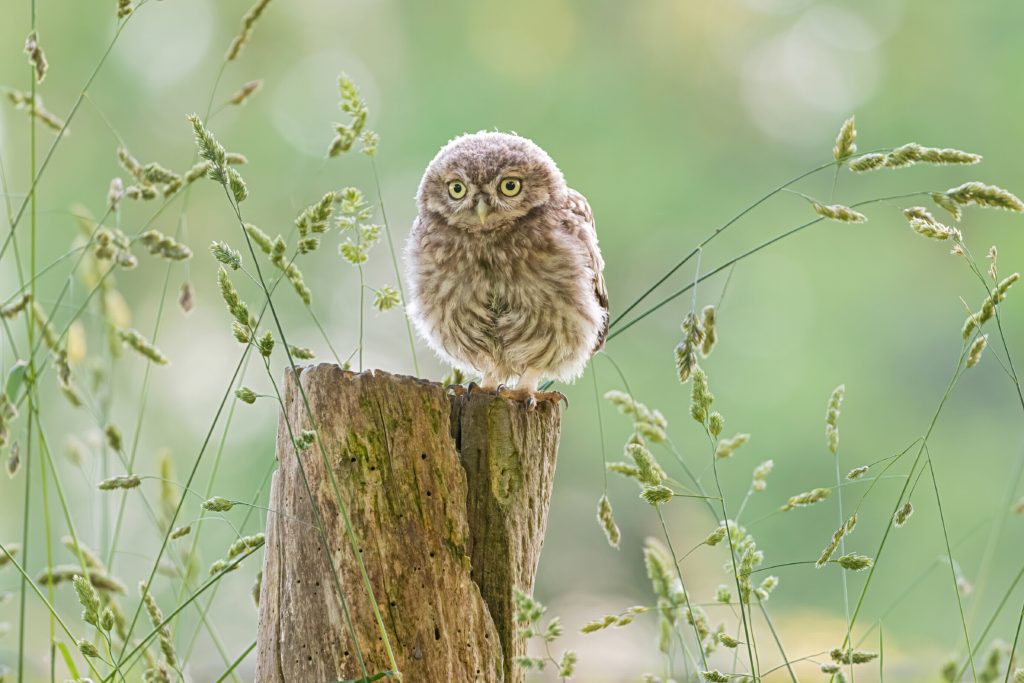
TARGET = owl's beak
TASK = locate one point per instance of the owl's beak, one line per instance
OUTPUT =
(482, 209)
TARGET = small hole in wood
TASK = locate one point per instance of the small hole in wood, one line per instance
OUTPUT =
(437, 633)
(423, 456)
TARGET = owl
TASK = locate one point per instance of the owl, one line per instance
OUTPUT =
(506, 277)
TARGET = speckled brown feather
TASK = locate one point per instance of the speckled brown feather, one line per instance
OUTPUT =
(520, 294)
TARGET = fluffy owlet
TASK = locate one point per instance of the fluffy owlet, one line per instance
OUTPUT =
(505, 272)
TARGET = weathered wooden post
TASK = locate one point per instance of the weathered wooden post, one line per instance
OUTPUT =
(448, 496)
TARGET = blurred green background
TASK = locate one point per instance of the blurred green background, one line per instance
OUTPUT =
(671, 117)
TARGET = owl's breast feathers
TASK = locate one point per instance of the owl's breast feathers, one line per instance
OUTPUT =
(531, 295)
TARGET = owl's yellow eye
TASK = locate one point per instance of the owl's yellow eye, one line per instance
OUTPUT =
(456, 189)
(510, 186)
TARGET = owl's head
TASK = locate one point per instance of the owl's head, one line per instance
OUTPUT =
(487, 181)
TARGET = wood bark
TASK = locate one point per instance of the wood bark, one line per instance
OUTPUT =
(448, 498)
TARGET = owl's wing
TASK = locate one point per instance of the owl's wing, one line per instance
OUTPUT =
(580, 225)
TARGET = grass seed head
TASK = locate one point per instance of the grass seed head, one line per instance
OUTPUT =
(759, 481)
(858, 472)
(835, 402)
(846, 145)
(606, 519)
(854, 562)
(243, 94)
(107, 619)
(346, 135)
(767, 587)
(715, 537)
(851, 656)
(924, 224)
(156, 617)
(807, 498)
(125, 481)
(261, 238)
(35, 56)
(988, 308)
(225, 254)
(701, 397)
(708, 320)
(209, 148)
(246, 395)
(115, 193)
(984, 195)
(599, 624)
(197, 171)
(726, 447)
(89, 599)
(301, 353)
(386, 298)
(567, 665)
(217, 504)
(265, 344)
(12, 551)
(143, 346)
(64, 573)
(716, 423)
(248, 21)
(656, 495)
(838, 212)
(686, 350)
(87, 648)
(912, 153)
(256, 587)
(833, 545)
(35, 107)
(648, 470)
(16, 306)
(974, 356)
(867, 162)
(903, 514)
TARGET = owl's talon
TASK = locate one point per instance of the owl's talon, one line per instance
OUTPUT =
(531, 402)
(455, 389)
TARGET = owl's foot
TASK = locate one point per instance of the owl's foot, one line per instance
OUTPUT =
(474, 388)
(532, 397)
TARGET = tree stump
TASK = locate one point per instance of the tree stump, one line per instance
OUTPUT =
(448, 498)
